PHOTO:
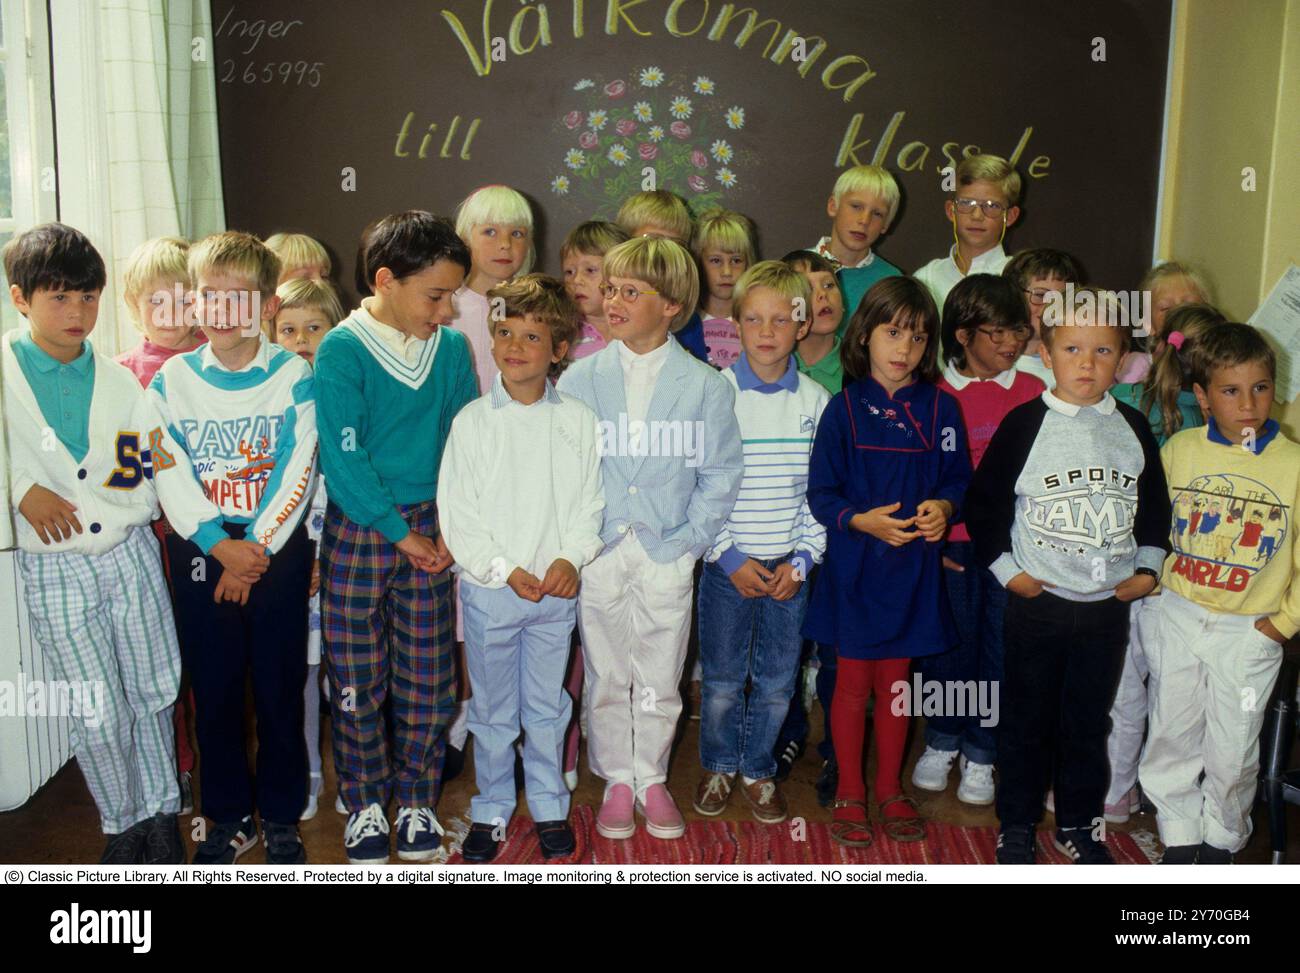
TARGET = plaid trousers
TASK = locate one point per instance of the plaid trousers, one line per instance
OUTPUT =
(104, 620)
(389, 637)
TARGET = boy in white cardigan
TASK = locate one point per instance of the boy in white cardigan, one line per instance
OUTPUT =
(82, 463)
(520, 499)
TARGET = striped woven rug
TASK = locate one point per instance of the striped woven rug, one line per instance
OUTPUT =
(791, 843)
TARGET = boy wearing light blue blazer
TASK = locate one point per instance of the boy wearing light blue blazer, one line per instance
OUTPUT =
(671, 462)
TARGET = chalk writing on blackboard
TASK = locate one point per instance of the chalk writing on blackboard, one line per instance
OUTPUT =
(299, 71)
(253, 29)
(402, 149)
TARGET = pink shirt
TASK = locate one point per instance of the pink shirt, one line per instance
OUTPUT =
(723, 340)
(589, 342)
(983, 406)
(146, 358)
(471, 320)
(1134, 367)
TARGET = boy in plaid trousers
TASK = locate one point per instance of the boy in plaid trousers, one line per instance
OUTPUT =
(390, 379)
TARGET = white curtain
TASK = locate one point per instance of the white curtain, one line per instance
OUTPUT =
(163, 172)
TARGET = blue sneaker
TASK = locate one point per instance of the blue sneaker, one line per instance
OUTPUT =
(365, 839)
(419, 835)
(226, 843)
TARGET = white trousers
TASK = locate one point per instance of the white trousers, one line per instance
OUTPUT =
(1128, 714)
(1211, 678)
(634, 615)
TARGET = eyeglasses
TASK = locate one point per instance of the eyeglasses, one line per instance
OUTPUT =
(1038, 295)
(627, 292)
(999, 335)
(991, 207)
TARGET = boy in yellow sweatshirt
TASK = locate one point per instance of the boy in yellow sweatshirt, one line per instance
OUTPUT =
(1226, 606)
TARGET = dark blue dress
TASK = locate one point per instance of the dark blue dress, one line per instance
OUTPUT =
(871, 600)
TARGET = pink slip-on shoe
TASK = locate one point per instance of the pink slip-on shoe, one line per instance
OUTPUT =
(615, 819)
(662, 819)
(1124, 808)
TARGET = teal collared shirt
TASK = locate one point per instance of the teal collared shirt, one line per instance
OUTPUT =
(62, 391)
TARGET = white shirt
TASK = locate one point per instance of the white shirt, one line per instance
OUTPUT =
(959, 381)
(640, 372)
(401, 344)
(520, 486)
(941, 275)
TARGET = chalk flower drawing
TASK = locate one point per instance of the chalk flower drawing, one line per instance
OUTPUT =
(623, 144)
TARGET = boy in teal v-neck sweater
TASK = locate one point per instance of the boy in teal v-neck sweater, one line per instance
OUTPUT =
(390, 379)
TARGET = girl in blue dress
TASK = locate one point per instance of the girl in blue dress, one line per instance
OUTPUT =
(889, 468)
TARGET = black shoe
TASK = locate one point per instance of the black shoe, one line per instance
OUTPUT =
(828, 782)
(1016, 845)
(1209, 855)
(283, 844)
(162, 841)
(127, 848)
(556, 839)
(226, 842)
(1081, 846)
(480, 846)
(1180, 855)
(786, 759)
(453, 762)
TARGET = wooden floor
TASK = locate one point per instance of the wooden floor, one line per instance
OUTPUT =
(60, 825)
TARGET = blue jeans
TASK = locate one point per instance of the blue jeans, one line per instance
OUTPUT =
(978, 605)
(745, 640)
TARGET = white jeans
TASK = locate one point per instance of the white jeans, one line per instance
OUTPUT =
(1211, 678)
(634, 615)
(1128, 714)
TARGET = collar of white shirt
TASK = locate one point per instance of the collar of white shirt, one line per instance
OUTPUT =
(261, 360)
(985, 263)
(501, 398)
(959, 381)
(404, 346)
(824, 249)
(1106, 406)
(630, 359)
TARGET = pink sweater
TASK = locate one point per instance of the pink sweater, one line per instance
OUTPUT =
(146, 358)
(983, 405)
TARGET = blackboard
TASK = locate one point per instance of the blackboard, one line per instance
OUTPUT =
(333, 112)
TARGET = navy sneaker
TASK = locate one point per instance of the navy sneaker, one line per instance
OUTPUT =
(162, 841)
(226, 842)
(1081, 846)
(787, 758)
(283, 844)
(128, 847)
(828, 782)
(1210, 855)
(1180, 855)
(1016, 845)
(365, 839)
(419, 835)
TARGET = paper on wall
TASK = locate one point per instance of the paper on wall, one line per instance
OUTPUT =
(1279, 318)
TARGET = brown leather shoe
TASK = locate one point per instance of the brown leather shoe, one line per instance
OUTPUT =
(765, 800)
(713, 793)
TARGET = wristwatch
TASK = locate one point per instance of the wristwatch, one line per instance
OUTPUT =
(1151, 571)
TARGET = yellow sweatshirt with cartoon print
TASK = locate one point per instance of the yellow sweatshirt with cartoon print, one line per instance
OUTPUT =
(1234, 515)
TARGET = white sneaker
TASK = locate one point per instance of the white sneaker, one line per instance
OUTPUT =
(310, 810)
(931, 771)
(976, 783)
(339, 805)
(571, 780)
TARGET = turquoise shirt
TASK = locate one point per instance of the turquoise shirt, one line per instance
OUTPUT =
(1131, 394)
(856, 281)
(62, 391)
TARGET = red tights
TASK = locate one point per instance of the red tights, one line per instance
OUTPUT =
(855, 680)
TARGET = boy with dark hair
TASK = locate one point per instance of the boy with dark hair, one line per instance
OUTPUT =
(80, 486)
(1215, 643)
(1036, 273)
(1069, 510)
(391, 379)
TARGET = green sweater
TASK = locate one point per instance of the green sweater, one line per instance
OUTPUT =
(384, 421)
